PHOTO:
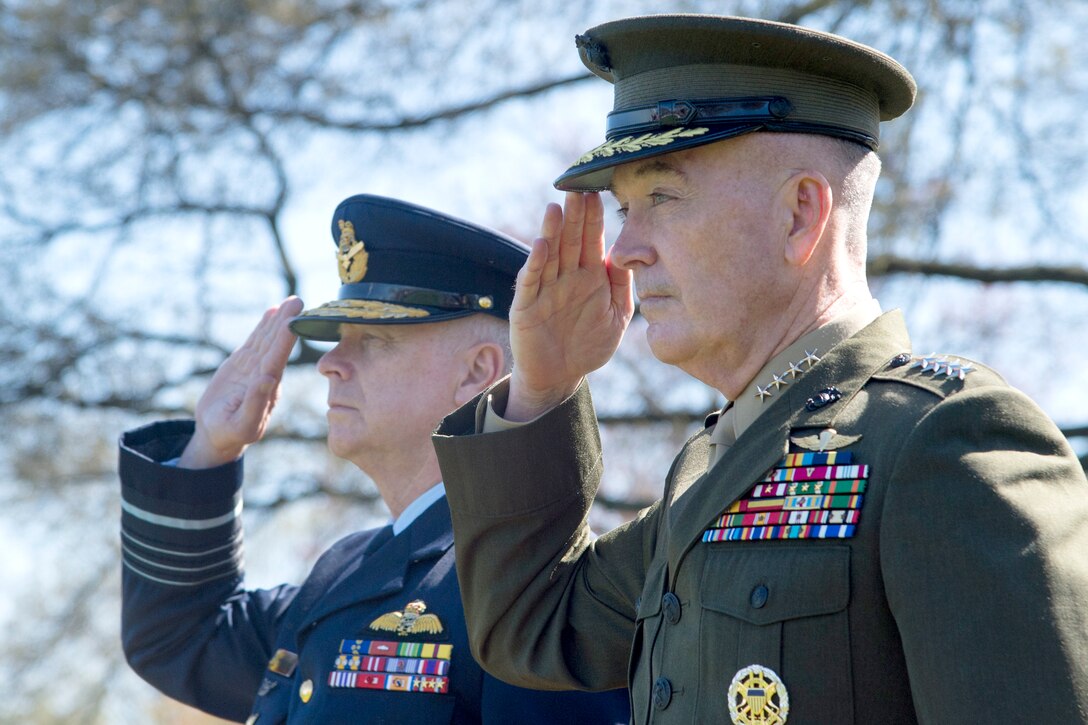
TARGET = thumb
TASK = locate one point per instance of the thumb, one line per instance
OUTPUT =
(622, 281)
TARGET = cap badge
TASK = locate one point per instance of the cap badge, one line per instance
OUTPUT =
(351, 255)
(630, 144)
(757, 696)
(411, 621)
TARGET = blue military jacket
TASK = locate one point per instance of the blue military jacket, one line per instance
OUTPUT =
(375, 634)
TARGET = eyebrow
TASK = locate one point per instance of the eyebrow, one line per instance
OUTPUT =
(654, 166)
(658, 166)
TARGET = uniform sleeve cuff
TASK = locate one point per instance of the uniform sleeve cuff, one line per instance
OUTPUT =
(179, 526)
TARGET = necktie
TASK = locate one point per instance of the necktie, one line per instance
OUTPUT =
(722, 437)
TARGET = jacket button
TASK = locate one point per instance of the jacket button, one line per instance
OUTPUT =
(759, 596)
(671, 604)
(662, 693)
(900, 360)
(306, 690)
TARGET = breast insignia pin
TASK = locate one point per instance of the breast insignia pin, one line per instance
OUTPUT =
(757, 696)
(411, 621)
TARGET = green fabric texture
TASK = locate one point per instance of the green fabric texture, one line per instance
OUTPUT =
(961, 597)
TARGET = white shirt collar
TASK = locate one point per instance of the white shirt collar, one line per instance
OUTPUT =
(423, 502)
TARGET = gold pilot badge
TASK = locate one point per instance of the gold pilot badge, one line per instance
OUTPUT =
(351, 254)
(757, 696)
(411, 621)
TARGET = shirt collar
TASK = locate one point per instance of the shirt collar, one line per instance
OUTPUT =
(790, 364)
(423, 502)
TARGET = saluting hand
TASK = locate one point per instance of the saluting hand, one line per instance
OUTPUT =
(570, 309)
(234, 409)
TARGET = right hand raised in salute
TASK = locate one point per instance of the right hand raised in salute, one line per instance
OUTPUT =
(571, 308)
(233, 412)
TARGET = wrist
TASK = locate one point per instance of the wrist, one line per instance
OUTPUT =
(200, 453)
(525, 403)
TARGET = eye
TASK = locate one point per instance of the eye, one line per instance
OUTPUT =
(658, 198)
(622, 213)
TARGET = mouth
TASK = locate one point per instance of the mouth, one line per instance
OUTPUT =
(652, 299)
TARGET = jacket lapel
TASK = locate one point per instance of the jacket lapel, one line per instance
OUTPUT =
(759, 448)
(698, 499)
(382, 573)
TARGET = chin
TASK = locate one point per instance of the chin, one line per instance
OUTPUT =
(341, 443)
(336, 448)
(668, 345)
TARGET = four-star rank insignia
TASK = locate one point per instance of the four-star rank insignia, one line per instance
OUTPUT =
(351, 254)
(757, 696)
(411, 621)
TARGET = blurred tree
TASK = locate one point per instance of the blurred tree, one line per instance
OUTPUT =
(162, 165)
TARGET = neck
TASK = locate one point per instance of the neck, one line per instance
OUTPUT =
(402, 482)
(774, 337)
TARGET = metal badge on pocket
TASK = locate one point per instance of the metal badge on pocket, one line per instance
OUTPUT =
(757, 696)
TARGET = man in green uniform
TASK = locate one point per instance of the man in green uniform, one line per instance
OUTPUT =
(862, 534)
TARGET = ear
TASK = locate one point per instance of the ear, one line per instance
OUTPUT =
(483, 364)
(808, 198)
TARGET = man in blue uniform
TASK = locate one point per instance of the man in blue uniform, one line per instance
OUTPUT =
(376, 633)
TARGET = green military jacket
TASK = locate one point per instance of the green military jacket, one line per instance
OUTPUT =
(950, 585)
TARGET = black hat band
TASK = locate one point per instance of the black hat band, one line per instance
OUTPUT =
(420, 296)
(666, 114)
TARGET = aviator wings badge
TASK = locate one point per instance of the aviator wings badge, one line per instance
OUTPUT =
(411, 621)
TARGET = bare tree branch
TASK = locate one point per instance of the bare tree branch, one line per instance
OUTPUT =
(404, 123)
(887, 264)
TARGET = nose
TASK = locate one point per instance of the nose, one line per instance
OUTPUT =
(331, 363)
(631, 249)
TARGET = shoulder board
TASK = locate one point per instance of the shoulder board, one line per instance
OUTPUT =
(940, 373)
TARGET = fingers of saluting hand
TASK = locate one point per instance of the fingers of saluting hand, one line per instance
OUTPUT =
(570, 238)
(548, 244)
(574, 231)
(591, 249)
(540, 268)
(267, 348)
(281, 339)
(266, 357)
(581, 243)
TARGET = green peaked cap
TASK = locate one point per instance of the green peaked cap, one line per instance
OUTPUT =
(687, 80)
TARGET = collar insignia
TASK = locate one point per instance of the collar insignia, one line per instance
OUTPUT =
(411, 621)
(351, 255)
(766, 391)
(283, 662)
(757, 696)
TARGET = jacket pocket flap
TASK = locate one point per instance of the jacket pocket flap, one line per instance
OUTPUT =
(762, 585)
